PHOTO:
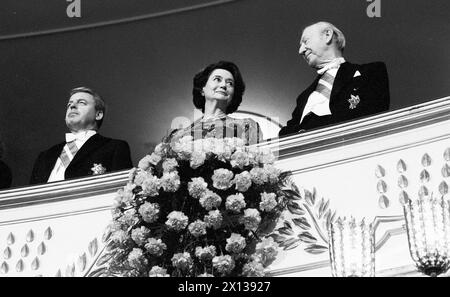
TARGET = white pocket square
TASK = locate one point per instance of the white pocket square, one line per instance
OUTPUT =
(357, 73)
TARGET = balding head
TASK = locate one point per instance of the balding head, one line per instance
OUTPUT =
(338, 36)
(320, 43)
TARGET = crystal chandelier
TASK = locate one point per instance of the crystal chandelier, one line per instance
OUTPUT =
(428, 229)
(351, 247)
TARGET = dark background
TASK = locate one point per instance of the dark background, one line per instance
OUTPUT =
(144, 69)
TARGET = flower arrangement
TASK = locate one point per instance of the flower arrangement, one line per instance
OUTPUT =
(198, 208)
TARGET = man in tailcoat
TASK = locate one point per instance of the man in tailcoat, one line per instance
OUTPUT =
(342, 91)
(85, 152)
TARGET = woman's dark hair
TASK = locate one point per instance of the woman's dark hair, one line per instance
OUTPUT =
(201, 78)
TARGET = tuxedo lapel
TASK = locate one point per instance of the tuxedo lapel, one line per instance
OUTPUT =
(303, 98)
(90, 145)
(343, 77)
(52, 157)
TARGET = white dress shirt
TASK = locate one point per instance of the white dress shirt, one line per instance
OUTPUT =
(318, 103)
(80, 139)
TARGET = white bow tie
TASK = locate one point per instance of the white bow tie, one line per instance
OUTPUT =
(333, 64)
(72, 137)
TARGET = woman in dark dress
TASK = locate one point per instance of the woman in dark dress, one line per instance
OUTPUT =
(217, 92)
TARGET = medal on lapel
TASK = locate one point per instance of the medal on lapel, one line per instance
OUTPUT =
(353, 100)
(98, 169)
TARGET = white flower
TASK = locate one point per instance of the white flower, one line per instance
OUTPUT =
(157, 271)
(222, 178)
(243, 181)
(239, 159)
(146, 162)
(197, 228)
(223, 264)
(235, 243)
(208, 145)
(182, 261)
(176, 220)
(235, 202)
(210, 200)
(253, 269)
(151, 186)
(120, 237)
(205, 254)
(169, 164)
(213, 219)
(197, 187)
(155, 247)
(141, 176)
(268, 201)
(132, 174)
(149, 212)
(272, 173)
(124, 197)
(223, 152)
(129, 218)
(136, 259)
(253, 155)
(160, 149)
(267, 250)
(265, 156)
(183, 147)
(259, 176)
(197, 159)
(234, 142)
(251, 219)
(170, 181)
(139, 235)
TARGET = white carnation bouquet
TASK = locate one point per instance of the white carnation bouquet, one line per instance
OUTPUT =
(202, 207)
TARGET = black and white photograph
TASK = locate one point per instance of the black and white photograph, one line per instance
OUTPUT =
(269, 139)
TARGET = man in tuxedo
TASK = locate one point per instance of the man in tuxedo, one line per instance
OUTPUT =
(85, 152)
(342, 91)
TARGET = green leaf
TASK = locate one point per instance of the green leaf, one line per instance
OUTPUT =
(293, 243)
(104, 259)
(302, 223)
(323, 208)
(291, 194)
(309, 198)
(306, 237)
(295, 188)
(316, 249)
(98, 272)
(296, 211)
(278, 238)
(314, 195)
(285, 231)
(287, 225)
(283, 175)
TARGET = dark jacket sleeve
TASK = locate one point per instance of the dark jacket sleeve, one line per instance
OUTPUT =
(122, 156)
(5, 176)
(293, 125)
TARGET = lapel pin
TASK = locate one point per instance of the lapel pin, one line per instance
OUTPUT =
(353, 100)
(98, 169)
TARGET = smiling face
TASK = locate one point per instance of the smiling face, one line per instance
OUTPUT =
(314, 46)
(220, 86)
(81, 113)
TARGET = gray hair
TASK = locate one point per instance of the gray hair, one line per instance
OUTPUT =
(338, 36)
